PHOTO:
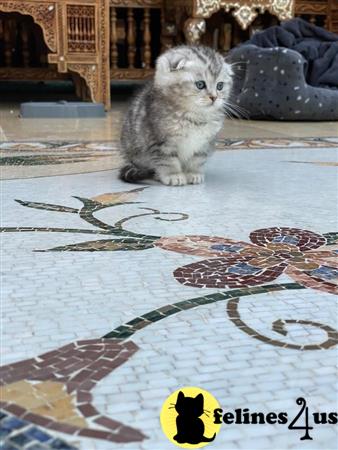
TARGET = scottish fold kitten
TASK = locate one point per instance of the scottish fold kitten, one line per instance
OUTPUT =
(171, 125)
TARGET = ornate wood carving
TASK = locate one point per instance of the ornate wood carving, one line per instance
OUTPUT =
(43, 14)
(147, 38)
(304, 7)
(81, 28)
(134, 74)
(131, 38)
(113, 39)
(193, 30)
(245, 11)
(89, 72)
(137, 3)
(103, 42)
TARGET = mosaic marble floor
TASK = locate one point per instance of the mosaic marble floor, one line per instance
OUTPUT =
(115, 296)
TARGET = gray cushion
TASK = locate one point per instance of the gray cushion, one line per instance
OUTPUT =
(270, 84)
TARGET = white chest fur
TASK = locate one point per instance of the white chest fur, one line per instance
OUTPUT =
(196, 138)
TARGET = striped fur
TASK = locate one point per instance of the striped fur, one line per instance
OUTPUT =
(133, 174)
(171, 125)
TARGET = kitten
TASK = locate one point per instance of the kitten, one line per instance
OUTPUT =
(171, 125)
(190, 428)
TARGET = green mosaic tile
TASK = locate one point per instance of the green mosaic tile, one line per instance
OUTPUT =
(153, 316)
(235, 293)
(331, 238)
(135, 321)
(111, 335)
(125, 334)
(204, 300)
(295, 286)
(122, 328)
(186, 304)
(168, 310)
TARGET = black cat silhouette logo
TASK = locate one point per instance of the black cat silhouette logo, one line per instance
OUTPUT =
(187, 417)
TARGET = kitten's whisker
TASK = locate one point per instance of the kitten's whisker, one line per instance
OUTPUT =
(228, 116)
(238, 63)
(234, 114)
(230, 110)
(235, 105)
(238, 109)
(238, 68)
(244, 114)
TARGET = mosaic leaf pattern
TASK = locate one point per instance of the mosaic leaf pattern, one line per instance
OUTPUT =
(112, 198)
(53, 389)
(107, 245)
(331, 238)
(48, 206)
(38, 160)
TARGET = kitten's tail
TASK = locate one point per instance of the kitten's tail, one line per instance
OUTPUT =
(205, 439)
(132, 173)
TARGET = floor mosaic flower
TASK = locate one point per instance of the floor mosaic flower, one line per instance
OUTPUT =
(109, 305)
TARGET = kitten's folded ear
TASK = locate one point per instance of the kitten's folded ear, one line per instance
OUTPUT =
(170, 62)
(170, 65)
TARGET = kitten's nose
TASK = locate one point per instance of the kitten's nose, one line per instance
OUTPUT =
(212, 97)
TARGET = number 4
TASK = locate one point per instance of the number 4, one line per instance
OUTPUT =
(302, 402)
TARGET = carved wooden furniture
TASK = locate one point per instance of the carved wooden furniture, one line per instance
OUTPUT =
(96, 41)
(244, 12)
(319, 12)
(198, 12)
(76, 34)
(135, 43)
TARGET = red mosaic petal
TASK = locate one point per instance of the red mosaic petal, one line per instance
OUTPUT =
(324, 258)
(203, 245)
(302, 239)
(229, 272)
(322, 278)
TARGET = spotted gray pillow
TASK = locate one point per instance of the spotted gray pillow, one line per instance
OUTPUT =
(270, 84)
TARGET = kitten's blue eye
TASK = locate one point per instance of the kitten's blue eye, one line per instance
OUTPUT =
(220, 86)
(200, 84)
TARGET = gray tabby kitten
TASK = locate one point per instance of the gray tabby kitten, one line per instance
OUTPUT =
(171, 125)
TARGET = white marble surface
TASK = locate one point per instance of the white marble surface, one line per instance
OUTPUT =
(52, 298)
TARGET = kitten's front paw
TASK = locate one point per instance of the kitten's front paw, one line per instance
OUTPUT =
(195, 178)
(178, 179)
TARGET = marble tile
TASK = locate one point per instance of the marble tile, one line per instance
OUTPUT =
(114, 296)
